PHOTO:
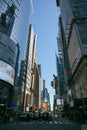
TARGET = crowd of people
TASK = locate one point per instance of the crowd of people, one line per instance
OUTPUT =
(35, 116)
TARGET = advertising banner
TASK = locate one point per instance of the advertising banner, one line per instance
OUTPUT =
(59, 102)
(6, 72)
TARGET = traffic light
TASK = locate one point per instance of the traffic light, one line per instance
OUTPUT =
(53, 84)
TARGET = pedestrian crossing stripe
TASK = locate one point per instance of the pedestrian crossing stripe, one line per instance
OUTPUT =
(44, 122)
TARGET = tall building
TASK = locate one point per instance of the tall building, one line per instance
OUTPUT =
(8, 59)
(20, 34)
(59, 83)
(31, 84)
(21, 26)
(37, 87)
(45, 97)
(7, 20)
(73, 23)
(9, 54)
(60, 73)
(29, 62)
(13, 12)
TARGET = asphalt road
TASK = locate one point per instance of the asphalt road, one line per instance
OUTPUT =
(52, 125)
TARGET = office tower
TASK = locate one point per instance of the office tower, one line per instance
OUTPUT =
(7, 20)
(36, 86)
(19, 32)
(46, 100)
(29, 59)
(41, 99)
(60, 72)
(73, 25)
(20, 35)
(44, 85)
(60, 76)
(21, 26)
(39, 82)
(59, 81)
(9, 54)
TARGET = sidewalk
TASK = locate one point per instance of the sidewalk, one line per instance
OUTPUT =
(84, 127)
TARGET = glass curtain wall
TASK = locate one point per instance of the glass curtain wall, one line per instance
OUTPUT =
(21, 26)
(23, 17)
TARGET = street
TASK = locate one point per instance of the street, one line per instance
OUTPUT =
(52, 125)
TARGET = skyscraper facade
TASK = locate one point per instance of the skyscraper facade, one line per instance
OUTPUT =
(74, 23)
(37, 87)
(20, 34)
(16, 27)
(7, 20)
(29, 61)
(60, 75)
(9, 53)
(21, 26)
(60, 71)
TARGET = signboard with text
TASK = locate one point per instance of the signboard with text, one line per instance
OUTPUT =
(7, 73)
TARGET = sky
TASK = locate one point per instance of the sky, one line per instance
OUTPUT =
(45, 24)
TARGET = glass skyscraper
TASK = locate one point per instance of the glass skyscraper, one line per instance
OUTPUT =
(8, 52)
(19, 17)
(21, 26)
(23, 17)
(20, 35)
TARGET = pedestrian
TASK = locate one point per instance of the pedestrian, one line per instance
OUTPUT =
(47, 116)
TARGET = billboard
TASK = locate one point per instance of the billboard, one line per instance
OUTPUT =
(8, 50)
(45, 105)
(75, 55)
(59, 102)
(7, 72)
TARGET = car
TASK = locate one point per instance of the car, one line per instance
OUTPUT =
(23, 116)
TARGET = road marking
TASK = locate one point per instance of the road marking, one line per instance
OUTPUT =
(45, 122)
(60, 122)
(55, 122)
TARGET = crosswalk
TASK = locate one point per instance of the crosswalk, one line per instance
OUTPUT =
(44, 122)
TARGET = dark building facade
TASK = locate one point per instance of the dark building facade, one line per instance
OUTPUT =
(60, 72)
(73, 21)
